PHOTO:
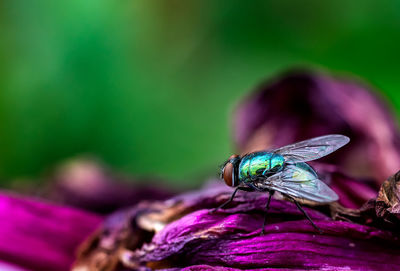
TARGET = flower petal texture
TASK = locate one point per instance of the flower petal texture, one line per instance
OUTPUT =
(188, 236)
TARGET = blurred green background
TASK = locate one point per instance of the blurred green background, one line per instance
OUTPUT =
(148, 86)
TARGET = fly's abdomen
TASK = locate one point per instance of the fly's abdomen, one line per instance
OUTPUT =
(259, 164)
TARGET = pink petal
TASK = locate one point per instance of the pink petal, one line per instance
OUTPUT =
(41, 236)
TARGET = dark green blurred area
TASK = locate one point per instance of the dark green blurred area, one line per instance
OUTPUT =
(149, 86)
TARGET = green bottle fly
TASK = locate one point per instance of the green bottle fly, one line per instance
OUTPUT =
(284, 170)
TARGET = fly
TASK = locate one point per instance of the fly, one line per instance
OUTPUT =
(284, 170)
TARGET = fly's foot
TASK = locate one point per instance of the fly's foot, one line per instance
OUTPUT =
(212, 210)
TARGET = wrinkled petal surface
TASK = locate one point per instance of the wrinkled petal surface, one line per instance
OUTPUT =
(188, 236)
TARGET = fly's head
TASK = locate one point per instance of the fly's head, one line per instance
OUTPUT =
(229, 171)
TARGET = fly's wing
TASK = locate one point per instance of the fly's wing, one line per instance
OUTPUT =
(301, 181)
(312, 149)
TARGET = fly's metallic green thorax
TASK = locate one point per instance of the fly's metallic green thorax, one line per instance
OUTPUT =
(259, 164)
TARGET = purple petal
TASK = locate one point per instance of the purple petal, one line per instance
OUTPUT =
(301, 105)
(40, 236)
(188, 235)
(204, 267)
(10, 267)
(231, 238)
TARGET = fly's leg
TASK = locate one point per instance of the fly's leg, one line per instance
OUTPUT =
(253, 187)
(306, 215)
(248, 189)
(271, 193)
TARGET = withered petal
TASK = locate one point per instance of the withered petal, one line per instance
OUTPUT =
(232, 239)
(188, 236)
(384, 211)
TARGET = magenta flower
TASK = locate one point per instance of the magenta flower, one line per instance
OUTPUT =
(188, 235)
(360, 232)
(41, 236)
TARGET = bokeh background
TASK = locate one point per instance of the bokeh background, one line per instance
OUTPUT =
(148, 86)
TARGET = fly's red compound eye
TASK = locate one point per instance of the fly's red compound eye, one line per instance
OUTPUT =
(228, 171)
